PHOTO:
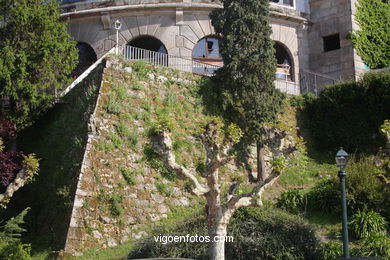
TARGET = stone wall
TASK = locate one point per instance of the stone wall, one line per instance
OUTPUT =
(331, 17)
(178, 27)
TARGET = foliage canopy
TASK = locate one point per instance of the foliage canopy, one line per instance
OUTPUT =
(245, 84)
(372, 41)
(36, 57)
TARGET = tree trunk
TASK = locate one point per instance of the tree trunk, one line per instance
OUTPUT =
(217, 246)
(261, 171)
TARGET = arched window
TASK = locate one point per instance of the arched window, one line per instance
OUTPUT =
(206, 51)
(147, 48)
(87, 57)
(285, 66)
(148, 43)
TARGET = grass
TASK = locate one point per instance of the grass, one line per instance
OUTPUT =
(123, 146)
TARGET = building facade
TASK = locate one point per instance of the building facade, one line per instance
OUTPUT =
(311, 36)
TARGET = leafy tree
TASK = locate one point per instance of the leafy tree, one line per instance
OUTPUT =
(36, 57)
(245, 84)
(372, 41)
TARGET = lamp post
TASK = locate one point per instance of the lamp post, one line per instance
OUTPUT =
(117, 26)
(341, 160)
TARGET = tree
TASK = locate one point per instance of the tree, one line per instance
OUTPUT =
(245, 84)
(36, 57)
(218, 140)
(16, 169)
(372, 40)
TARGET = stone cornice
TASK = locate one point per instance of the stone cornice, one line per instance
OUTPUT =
(136, 7)
(280, 14)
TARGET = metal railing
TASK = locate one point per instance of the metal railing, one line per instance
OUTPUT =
(289, 87)
(190, 65)
(314, 82)
(174, 62)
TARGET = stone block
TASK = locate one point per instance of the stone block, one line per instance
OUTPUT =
(154, 24)
(143, 22)
(204, 22)
(132, 25)
(193, 23)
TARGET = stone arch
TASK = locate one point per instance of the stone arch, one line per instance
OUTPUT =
(87, 56)
(285, 62)
(148, 48)
(148, 42)
(206, 51)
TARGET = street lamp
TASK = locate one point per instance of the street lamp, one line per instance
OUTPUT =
(341, 160)
(117, 26)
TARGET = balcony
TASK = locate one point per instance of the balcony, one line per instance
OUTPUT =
(283, 2)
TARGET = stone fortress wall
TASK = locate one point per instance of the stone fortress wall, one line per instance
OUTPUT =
(300, 28)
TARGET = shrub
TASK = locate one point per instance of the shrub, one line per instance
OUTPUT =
(10, 165)
(376, 245)
(357, 109)
(364, 224)
(265, 233)
(330, 250)
(116, 205)
(291, 200)
(258, 234)
(7, 130)
(364, 190)
(10, 245)
(324, 196)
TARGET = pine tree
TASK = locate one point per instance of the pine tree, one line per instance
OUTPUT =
(245, 84)
(36, 57)
(372, 40)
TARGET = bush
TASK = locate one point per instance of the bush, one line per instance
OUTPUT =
(10, 165)
(292, 200)
(331, 250)
(7, 130)
(364, 224)
(259, 233)
(357, 109)
(10, 245)
(364, 190)
(377, 245)
(324, 196)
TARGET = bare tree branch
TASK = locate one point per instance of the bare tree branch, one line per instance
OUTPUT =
(20, 180)
(253, 198)
(164, 147)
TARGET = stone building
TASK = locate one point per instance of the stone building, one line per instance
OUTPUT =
(311, 36)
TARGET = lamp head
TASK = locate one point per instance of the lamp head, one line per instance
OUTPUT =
(341, 157)
(117, 25)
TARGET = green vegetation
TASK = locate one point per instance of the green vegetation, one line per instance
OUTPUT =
(245, 84)
(366, 223)
(372, 40)
(129, 176)
(36, 57)
(59, 139)
(270, 237)
(11, 246)
(357, 109)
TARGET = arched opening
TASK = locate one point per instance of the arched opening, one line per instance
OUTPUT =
(87, 57)
(148, 43)
(147, 48)
(206, 55)
(285, 66)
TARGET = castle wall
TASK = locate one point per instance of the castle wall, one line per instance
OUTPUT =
(330, 17)
(178, 27)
